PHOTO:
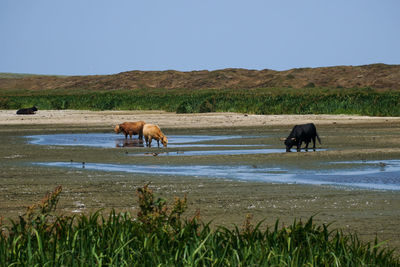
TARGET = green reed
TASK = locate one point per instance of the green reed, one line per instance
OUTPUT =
(255, 101)
(160, 236)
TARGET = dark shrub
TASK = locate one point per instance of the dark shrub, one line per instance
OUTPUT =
(186, 107)
(206, 106)
(309, 85)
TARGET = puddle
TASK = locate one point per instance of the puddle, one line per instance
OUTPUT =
(366, 174)
(110, 140)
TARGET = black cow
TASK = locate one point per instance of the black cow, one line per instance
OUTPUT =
(301, 133)
(27, 111)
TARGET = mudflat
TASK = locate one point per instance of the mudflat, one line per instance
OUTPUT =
(226, 202)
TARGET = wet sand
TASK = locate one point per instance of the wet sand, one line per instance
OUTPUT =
(225, 201)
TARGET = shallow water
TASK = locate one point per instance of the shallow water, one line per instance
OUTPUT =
(109, 140)
(380, 175)
(383, 175)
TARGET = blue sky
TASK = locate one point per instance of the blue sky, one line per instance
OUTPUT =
(80, 37)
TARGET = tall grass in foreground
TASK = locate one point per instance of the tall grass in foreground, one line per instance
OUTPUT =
(159, 236)
(255, 101)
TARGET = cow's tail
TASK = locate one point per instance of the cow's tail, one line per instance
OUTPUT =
(319, 140)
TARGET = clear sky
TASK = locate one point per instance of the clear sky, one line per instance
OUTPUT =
(80, 37)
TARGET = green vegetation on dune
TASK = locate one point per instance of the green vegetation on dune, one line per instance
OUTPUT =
(255, 101)
(159, 236)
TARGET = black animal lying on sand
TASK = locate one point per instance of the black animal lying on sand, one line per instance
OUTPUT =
(27, 111)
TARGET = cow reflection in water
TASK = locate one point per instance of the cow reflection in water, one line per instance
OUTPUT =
(129, 143)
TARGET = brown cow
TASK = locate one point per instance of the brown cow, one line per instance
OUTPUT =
(151, 131)
(130, 128)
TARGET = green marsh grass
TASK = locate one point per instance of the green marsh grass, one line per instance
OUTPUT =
(364, 101)
(160, 236)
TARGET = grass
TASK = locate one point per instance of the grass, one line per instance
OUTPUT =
(253, 101)
(160, 236)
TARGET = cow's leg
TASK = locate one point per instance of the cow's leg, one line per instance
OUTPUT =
(146, 139)
(150, 141)
(307, 145)
(158, 143)
(313, 139)
(126, 135)
(299, 145)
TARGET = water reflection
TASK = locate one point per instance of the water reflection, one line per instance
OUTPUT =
(110, 140)
(129, 143)
(351, 174)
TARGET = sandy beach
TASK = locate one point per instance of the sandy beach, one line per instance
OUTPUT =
(173, 120)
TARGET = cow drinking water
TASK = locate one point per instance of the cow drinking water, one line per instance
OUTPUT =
(301, 133)
(151, 131)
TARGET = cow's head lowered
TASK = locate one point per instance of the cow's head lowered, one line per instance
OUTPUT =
(289, 143)
(117, 129)
(164, 141)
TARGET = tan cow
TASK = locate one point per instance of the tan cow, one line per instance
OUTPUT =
(151, 131)
(131, 128)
